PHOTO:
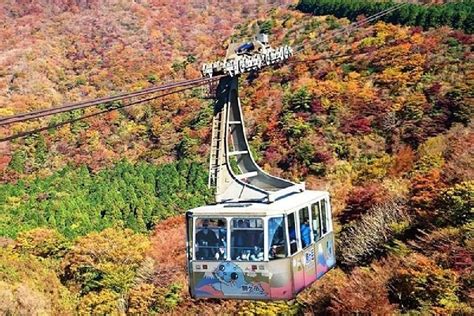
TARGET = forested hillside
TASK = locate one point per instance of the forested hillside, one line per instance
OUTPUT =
(76, 202)
(55, 52)
(457, 14)
(381, 118)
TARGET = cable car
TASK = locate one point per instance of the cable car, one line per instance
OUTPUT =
(247, 57)
(265, 238)
(259, 44)
(245, 48)
(260, 250)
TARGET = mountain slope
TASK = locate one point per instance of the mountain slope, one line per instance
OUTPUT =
(381, 118)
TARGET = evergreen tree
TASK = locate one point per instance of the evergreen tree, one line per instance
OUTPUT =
(77, 202)
(458, 14)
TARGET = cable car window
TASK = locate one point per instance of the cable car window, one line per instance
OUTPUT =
(245, 48)
(292, 233)
(276, 238)
(305, 229)
(316, 220)
(189, 236)
(324, 217)
(211, 239)
(247, 239)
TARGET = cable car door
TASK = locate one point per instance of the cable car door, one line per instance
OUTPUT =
(326, 258)
(297, 257)
(308, 258)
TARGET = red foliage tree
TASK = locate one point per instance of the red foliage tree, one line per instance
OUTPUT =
(357, 126)
(364, 292)
(403, 162)
(361, 199)
(425, 188)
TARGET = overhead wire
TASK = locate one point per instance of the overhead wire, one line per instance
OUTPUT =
(89, 103)
(22, 117)
(353, 26)
(44, 128)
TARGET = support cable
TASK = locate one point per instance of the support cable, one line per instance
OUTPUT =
(353, 26)
(53, 126)
(188, 84)
(85, 104)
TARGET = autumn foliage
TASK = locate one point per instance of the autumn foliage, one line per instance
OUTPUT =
(91, 213)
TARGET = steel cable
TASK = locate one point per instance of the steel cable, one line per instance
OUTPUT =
(27, 133)
(353, 26)
(186, 83)
(85, 104)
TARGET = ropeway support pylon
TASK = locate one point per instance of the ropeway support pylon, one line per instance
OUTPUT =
(233, 173)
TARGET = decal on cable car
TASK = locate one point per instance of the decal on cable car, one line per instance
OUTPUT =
(309, 257)
(228, 279)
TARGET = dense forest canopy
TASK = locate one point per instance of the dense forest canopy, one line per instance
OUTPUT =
(456, 14)
(382, 118)
(65, 51)
(75, 202)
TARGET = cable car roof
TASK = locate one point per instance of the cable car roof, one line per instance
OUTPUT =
(281, 206)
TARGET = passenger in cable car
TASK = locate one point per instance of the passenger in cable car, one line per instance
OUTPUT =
(277, 236)
(293, 242)
(305, 233)
(221, 252)
(207, 242)
(257, 254)
(241, 239)
(244, 255)
(276, 251)
(222, 233)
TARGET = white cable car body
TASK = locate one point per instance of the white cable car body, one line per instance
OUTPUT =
(265, 238)
(274, 261)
